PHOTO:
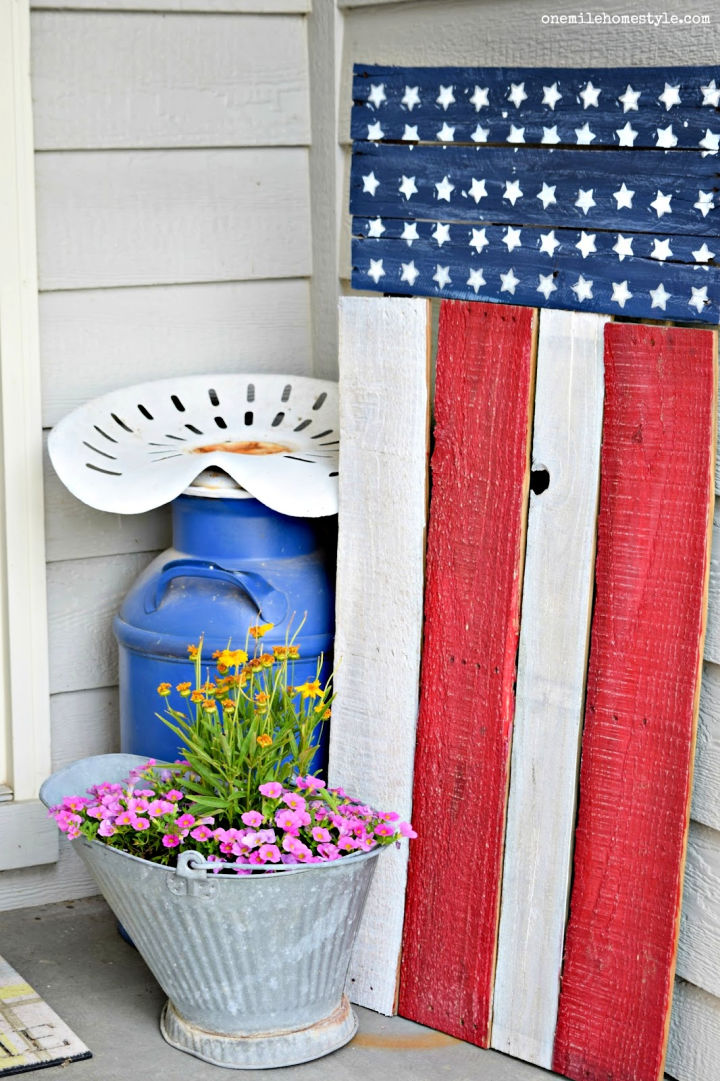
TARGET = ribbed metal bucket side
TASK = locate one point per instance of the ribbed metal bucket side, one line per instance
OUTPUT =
(240, 955)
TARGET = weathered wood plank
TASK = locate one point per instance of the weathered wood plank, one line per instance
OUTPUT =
(694, 1043)
(642, 699)
(381, 550)
(163, 217)
(224, 81)
(699, 943)
(266, 7)
(94, 341)
(554, 636)
(84, 596)
(706, 777)
(712, 638)
(84, 723)
(475, 551)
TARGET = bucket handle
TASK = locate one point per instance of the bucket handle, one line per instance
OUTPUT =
(272, 605)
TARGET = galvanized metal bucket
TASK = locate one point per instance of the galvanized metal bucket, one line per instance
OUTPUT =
(254, 966)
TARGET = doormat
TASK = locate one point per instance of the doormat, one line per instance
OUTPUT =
(31, 1033)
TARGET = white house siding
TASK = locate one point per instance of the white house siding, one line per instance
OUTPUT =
(510, 32)
(173, 238)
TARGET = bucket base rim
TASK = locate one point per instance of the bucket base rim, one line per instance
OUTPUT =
(260, 1050)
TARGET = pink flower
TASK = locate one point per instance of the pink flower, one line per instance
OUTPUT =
(160, 807)
(290, 842)
(170, 840)
(347, 844)
(329, 852)
(252, 818)
(74, 803)
(201, 833)
(272, 789)
(269, 853)
(314, 783)
(384, 829)
(406, 830)
(185, 821)
(174, 795)
(140, 823)
(294, 801)
(302, 853)
(266, 837)
(287, 820)
(106, 828)
(139, 806)
(125, 818)
(98, 811)
(320, 834)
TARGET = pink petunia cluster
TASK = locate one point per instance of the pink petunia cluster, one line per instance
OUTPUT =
(150, 816)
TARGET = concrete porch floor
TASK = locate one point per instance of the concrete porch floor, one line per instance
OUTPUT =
(73, 956)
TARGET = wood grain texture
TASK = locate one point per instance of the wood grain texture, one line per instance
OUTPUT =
(699, 943)
(475, 549)
(169, 216)
(694, 1043)
(84, 723)
(83, 598)
(706, 777)
(267, 7)
(221, 81)
(712, 638)
(642, 700)
(552, 658)
(381, 549)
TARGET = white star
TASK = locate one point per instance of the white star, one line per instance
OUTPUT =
(670, 96)
(480, 134)
(551, 96)
(476, 279)
(408, 187)
(479, 240)
(375, 131)
(446, 133)
(516, 135)
(512, 191)
(377, 94)
(411, 133)
(661, 204)
(698, 299)
(444, 188)
(550, 135)
(548, 243)
(703, 255)
(620, 293)
(710, 142)
(546, 195)
(585, 200)
(411, 97)
(409, 273)
(586, 244)
(517, 94)
(583, 288)
(704, 202)
(627, 135)
(479, 100)
(409, 232)
(629, 99)
(659, 297)
(661, 250)
(512, 238)
(445, 97)
(590, 95)
(623, 196)
(666, 137)
(623, 246)
(375, 270)
(711, 94)
(477, 190)
(370, 183)
(442, 276)
(583, 135)
(546, 285)
(376, 227)
(509, 281)
(441, 233)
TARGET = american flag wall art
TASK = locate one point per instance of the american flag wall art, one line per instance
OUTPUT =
(584, 189)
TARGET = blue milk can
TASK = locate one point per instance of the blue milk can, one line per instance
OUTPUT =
(234, 563)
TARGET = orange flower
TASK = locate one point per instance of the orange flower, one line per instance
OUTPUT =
(209, 704)
(264, 740)
(260, 629)
(281, 653)
(267, 660)
(193, 652)
(293, 653)
(164, 689)
(196, 696)
(183, 689)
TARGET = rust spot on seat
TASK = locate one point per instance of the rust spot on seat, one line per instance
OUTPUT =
(244, 446)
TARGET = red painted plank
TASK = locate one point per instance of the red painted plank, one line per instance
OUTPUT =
(641, 705)
(480, 469)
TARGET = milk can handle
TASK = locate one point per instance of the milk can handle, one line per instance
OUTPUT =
(272, 605)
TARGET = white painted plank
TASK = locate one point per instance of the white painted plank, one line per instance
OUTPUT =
(84, 723)
(107, 81)
(712, 633)
(698, 959)
(168, 216)
(84, 596)
(27, 836)
(96, 340)
(382, 515)
(59, 881)
(706, 781)
(694, 1044)
(554, 636)
(265, 7)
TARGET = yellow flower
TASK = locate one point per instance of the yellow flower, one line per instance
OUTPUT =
(193, 652)
(264, 740)
(267, 660)
(227, 704)
(183, 689)
(208, 688)
(260, 629)
(310, 689)
(230, 658)
(196, 696)
(209, 704)
(261, 698)
(164, 689)
(281, 653)
(293, 653)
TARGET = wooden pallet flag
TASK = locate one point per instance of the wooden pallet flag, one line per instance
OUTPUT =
(591, 189)
(480, 470)
(642, 702)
